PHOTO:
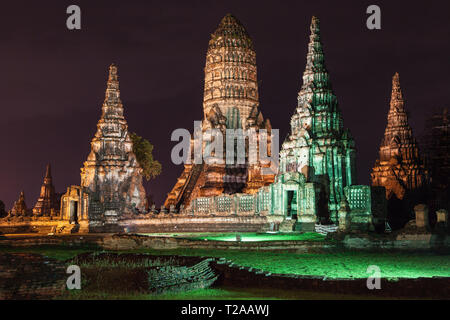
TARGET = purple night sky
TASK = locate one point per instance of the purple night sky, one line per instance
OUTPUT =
(53, 80)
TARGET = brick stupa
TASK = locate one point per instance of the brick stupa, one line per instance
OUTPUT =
(231, 101)
(111, 175)
(19, 208)
(399, 168)
(47, 204)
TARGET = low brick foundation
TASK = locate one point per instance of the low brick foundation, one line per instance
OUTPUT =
(30, 276)
(149, 224)
(244, 277)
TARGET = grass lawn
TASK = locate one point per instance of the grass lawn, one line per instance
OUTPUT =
(334, 265)
(254, 237)
(245, 236)
(343, 264)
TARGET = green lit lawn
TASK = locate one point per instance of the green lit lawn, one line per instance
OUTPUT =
(254, 237)
(343, 264)
(334, 265)
(245, 237)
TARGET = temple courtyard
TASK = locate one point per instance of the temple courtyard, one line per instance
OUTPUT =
(215, 272)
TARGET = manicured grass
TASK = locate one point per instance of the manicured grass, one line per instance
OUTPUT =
(254, 237)
(245, 236)
(344, 264)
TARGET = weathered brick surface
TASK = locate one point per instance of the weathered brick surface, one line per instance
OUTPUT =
(30, 276)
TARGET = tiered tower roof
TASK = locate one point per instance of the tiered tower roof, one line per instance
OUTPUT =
(111, 173)
(399, 167)
(398, 135)
(47, 202)
(231, 88)
(318, 146)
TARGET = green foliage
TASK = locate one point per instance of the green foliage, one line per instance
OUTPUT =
(143, 150)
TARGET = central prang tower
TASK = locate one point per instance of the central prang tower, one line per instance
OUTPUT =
(230, 101)
(230, 74)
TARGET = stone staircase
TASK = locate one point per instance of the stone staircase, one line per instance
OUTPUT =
(185, 194)
(65, 229)
(181, 278)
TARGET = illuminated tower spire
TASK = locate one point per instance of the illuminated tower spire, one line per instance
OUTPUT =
(111, 175)
(47, 203)
(230, 73)
(318, 146)
(230, 101)
(399, 167)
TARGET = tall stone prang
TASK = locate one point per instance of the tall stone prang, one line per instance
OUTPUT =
(318, 146)
(47, 204)
(231, 101)
(399, 167)
(111, 176)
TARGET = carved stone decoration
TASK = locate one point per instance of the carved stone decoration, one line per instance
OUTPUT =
(47, 204)
(111, 175)
(399, 167)
(231, 101)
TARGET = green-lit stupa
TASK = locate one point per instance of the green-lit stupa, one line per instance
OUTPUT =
(317, 159)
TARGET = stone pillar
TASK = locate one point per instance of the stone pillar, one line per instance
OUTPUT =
(442, 216)
(344, 216)
(235, 205)
(421, 211)
(212, 206)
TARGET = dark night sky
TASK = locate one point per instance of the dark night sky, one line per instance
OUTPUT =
(52, 80)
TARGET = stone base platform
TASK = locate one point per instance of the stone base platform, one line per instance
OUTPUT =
(154, 224)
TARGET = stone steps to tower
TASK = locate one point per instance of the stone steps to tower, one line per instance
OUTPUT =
(190, 185)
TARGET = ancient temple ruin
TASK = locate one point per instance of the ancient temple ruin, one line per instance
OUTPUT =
(231, 101)
(316, 182)
(399, 167)
(19, 208)
(47, 203)
(111, 179)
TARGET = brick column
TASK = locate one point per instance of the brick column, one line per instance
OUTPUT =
(421, 211)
